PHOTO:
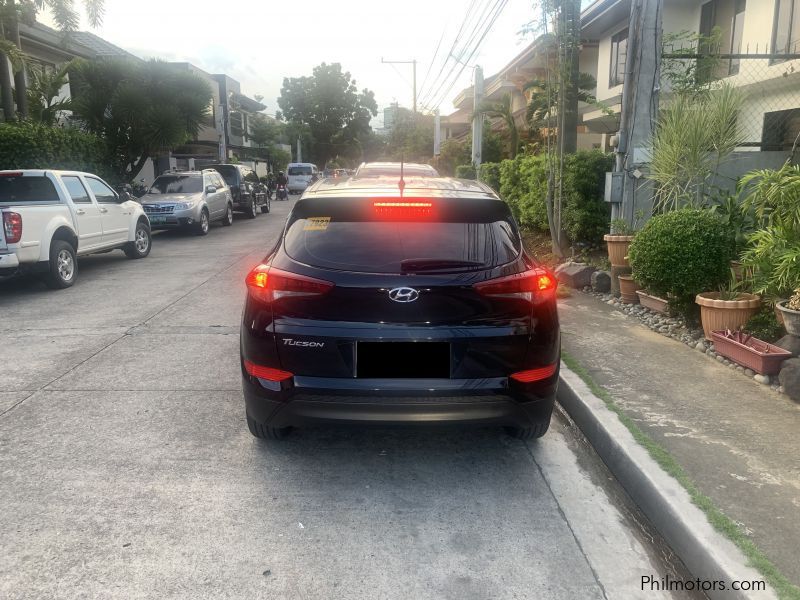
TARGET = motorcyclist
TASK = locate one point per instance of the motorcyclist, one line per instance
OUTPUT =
(281, 179)
(281, 182)
(270, 183)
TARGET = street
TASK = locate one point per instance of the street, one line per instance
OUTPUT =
(128, 470)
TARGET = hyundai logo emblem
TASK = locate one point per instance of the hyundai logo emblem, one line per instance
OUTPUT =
(403, 294)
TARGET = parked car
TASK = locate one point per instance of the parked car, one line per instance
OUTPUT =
(189, 200)
(392, 169)
(300, 176)
(52, 217)
(377, 307)
(248, 193)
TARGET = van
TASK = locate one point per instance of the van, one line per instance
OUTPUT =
(300, 176)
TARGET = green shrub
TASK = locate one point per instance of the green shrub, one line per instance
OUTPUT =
(586, 215)
(510, 187)
(764, 325)
(533, 196)
(490, 175)
(681, 254)
(466, 172)
(37, 146)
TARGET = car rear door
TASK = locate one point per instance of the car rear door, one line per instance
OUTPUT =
(116, 217)
(392, 310)
(88, 217)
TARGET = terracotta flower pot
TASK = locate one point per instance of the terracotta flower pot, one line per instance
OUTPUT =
(790, 318)
(628, 288)
(618, 249)
(750, 352)
(654, 303)
(721, 315)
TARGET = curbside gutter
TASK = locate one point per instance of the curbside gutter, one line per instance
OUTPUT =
(707, 554)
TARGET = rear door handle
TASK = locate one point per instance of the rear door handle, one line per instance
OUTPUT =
(80, 211)
(103, 210)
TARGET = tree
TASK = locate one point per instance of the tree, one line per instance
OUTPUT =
(504, 110)
(543, 102)
(12, 12)
(411, 138)
(44, 90)
(568, 33)
(328, 106)
(138, 108)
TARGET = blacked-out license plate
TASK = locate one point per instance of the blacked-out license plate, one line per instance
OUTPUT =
(407, 360)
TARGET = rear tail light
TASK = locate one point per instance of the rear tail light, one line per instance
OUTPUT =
(403, 210)
(12, 227)
(532, 375)
(268, 284)
(537, 283)
(268, 373)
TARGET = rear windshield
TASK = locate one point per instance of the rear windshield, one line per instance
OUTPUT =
(20, 189)
(299, 170)
(229, 174)
(379, 246)
(177, 184)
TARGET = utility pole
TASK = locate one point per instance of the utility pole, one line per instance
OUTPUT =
(477, 119)
(414, 71)
(639, 109)
(299, 151)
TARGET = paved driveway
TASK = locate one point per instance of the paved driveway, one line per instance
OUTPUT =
(127, 471)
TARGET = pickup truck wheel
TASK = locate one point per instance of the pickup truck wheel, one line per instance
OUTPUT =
(63, 265)
(202, 225)
(252, 212)
(265, 206)
(140, 246)
(227, 220)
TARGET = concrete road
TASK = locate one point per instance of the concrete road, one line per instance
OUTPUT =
(127, 471)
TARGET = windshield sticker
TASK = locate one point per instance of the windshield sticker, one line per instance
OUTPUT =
(317, 223)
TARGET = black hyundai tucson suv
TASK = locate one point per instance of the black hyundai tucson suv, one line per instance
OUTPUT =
(389, 302)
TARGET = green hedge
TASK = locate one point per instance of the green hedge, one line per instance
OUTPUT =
(465, 172)
(522, 183)
(36, 146)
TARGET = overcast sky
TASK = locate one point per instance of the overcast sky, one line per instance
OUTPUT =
(259, 42)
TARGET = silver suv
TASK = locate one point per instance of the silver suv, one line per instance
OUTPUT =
(188, 199)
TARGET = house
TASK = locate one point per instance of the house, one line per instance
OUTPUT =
(758, 43)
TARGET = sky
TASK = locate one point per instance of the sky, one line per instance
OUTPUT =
(259, 42)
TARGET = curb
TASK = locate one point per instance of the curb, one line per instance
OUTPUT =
(706, 553)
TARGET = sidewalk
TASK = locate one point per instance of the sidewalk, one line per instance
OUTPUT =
(738, 440)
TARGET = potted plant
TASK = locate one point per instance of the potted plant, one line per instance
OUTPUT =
(790, 310)
(729, 309)
(654, 303)
(750, 352)
(628, 288)
(618, 242)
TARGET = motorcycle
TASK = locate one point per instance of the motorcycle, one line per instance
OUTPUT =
(281, 193)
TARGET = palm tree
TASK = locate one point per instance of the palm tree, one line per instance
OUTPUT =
(544, 98)
(503, 110)
(44, 90)
(14, 11)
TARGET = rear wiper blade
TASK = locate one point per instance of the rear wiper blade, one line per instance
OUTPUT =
(436, 264)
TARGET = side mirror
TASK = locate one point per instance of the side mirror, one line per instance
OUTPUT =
(211, 189)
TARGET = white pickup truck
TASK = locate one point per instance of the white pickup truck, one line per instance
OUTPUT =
(52, 217)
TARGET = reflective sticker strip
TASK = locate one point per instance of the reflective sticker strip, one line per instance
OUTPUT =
(316, 223)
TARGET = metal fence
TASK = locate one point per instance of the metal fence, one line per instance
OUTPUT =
(769, 119)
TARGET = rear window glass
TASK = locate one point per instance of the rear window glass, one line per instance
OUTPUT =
(177, 184)
(229, 174)
(27, 189)
(381, 246)
(299, 170)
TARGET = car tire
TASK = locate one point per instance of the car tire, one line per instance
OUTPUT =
(529, 433)
(143, 241)
(252, 212)
(62, 267)
(265, 207)
(265, 432)
(203, 225)
(227, 220)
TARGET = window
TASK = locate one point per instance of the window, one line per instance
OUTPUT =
(101, 191)
(177, 184)
(294, 171)
(218, 183)
(786, 27)
(780, 130)
(76, 190)
(27, 189)
(619, 56)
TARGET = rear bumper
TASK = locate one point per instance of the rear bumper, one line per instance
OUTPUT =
(312, 400)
